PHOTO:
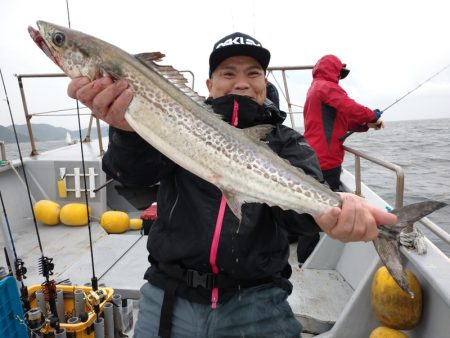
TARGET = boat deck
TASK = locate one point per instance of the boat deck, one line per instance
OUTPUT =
(333, 286)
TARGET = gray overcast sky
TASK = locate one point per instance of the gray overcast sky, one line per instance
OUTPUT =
(390, 46)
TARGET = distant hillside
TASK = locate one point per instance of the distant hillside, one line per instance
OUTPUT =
(43, 132)
(7, 135)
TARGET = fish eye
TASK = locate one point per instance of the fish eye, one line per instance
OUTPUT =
(58, 38)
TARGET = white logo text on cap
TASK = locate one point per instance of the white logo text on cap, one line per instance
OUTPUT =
(239, 40)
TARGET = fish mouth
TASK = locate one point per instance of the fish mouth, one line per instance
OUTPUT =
(40, 42)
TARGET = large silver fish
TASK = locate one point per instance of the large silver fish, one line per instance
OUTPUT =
(174, 119)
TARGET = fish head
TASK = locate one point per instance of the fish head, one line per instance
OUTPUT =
(71, 50)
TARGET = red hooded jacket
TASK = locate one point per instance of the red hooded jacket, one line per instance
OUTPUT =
(329, 113)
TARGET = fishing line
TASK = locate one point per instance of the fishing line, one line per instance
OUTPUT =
(45, 263)
(23, 167)
(11, 239)
(87, 202)
(94, 280)
(342, 138)
(68, 15)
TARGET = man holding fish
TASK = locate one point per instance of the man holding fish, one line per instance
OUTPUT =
(218, 270)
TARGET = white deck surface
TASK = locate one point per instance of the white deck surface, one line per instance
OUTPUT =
(120, 263)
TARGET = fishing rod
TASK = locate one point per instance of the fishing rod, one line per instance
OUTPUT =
(46, 265)
(96, 295)
(19, 270)
(342, 138)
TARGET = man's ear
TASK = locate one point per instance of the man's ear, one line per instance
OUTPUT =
(209, 85)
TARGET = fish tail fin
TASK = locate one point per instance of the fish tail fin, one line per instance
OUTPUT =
(411, 213)
(387, 244)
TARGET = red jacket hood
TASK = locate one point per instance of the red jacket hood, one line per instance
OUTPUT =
(328, 68)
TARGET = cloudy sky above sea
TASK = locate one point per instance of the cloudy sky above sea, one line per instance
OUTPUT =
(391, 47)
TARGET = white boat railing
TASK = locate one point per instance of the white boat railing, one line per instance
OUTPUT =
(2, 152)
(400, 176)
(275, 74)
(29, 115)
(285, 88)
(399, 189)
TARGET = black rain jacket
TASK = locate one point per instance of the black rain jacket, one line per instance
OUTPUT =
(188, 205)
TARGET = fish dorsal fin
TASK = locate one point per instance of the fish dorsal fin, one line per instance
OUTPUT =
(150, 57)
(171, 74)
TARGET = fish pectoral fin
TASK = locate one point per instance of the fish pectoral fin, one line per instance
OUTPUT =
(388, 249)
(411, 213)
(258, 133)
(235, 202)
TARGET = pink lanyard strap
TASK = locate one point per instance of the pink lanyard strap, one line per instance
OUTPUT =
(219, 223)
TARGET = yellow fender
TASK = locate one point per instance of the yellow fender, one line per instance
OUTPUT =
(385, 332)
(74, 214)
(47, 212)
(136, 224)
(115, 222)
(392, 306)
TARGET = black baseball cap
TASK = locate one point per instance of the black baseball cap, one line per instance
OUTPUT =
(238, 44)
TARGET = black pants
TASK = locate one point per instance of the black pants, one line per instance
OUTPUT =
(333, 178)
(307, 243)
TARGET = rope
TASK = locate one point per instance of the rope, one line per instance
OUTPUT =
(414, 240)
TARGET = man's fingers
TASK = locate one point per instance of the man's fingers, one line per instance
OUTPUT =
(105, 96)
(357, 220)
(117, 111)
(328, 220)
(88, 93)
(75, 85)
(382, 217)
(348, 220)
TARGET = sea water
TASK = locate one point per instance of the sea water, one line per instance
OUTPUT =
(422, 149)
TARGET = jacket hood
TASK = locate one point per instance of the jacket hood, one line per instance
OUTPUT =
(328, 68)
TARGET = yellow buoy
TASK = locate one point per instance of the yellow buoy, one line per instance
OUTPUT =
(385, 332)
(392, 306)
(47, 212)
(115, 222)
(136, 223)
(74, 214)
(62, 190)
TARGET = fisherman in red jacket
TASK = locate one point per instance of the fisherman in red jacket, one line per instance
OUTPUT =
(329, 113)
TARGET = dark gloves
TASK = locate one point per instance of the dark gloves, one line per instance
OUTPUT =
(377, 114)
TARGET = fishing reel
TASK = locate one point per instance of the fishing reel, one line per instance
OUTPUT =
(49, 290)
(21, 270)
(46, 266)
(95, 298)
